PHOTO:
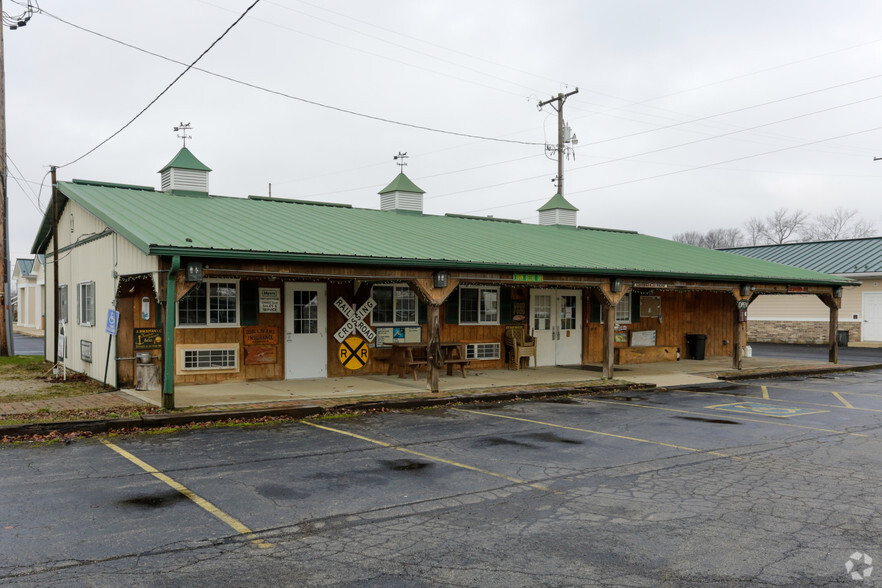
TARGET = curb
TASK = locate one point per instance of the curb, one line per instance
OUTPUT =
(801, 372)
(154, 421)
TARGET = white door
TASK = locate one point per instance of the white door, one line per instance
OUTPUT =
(872, 327)
(306, 331)
(556, 322)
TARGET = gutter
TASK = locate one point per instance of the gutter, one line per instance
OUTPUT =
(168, 351)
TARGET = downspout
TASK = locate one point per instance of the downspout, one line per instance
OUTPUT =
(168, 352)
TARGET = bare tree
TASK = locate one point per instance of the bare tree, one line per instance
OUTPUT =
(755, 228)
(783, 224)
(690, 238)
(843, 223)
(713, 239)
(722, 238)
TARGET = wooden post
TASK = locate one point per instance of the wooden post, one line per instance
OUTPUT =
(834, 328)
(738, 343)
(834, 303)
(609, 338)
(433, 349)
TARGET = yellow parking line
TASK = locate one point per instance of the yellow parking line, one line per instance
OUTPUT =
(841, 399)
(232, 522)
(431, 457)
(708, 414)
(793, 401)
(765, 393)
(637, 439)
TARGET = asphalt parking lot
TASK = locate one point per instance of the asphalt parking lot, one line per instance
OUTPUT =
(767, 482)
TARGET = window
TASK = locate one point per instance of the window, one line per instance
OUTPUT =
(86, 304)
(210, 359)
(305, 312)
(62, 303)
(210, 303)
(482, 351)
(478, 305)
(623, 309)
(396, 305)
(568, 312)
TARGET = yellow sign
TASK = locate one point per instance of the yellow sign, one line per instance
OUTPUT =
(354, 353)
(526, 277)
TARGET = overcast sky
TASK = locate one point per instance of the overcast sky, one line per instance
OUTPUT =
(645, 72)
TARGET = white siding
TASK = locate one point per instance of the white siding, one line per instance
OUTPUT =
(557, 216)
(401, 201)
(808, 307)
(184, 179)
(94, 261)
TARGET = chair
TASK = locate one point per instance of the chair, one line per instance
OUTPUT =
(522, 346)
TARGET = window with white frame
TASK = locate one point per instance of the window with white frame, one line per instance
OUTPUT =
(478, 305)
(211, 303)
(86, 304)
(221, 357)
(623, 309)
(62, 303)
(396, 304)
(479, 351)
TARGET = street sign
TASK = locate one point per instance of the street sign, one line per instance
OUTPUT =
(355, 320)
(112, 321)
(354, 353)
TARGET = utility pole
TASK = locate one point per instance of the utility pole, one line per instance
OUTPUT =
(55, 289)
(561, 140)
(7, 347)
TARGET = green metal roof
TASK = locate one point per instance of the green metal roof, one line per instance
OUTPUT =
(401, 183)
(557, 201)
(185, 160)
(159, 223)
(849, 256)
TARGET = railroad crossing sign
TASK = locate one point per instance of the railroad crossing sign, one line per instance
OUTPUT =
(355, 320)
(353, 353)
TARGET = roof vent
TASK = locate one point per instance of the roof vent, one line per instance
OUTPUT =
(185, 174)
(402, 194)
(558, 211)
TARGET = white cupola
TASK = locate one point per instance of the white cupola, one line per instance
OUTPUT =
(185, 175)
(558, 211)
(402, 195)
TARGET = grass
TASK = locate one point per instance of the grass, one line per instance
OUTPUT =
(28, 377)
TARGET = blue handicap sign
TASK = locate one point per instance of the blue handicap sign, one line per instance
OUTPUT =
(761, 408)
(112, 321)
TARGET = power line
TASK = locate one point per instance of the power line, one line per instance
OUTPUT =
(689, 169)
(174, 81)
(283, 95)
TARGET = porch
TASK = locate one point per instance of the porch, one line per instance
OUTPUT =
(334, 391)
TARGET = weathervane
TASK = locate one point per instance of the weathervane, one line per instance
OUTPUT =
(183, 127)
(399, 160)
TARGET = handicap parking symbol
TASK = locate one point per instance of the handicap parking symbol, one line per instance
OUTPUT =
(772, 410)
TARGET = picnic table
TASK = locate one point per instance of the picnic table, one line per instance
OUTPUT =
(412, 357)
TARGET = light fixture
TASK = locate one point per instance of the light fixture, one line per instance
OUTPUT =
(439, 279)
(746, 289)
(837, 292)
(194, 271)
(615, 284)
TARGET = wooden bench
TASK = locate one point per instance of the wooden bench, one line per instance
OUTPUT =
(462, 363)
(415, 365)
(645, 354)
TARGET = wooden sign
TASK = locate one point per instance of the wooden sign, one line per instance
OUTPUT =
(148, 338)
(797, 288)
(259, 354)
(261, 335)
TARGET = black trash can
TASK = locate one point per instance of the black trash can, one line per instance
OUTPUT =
(695, 345)
(842, 338)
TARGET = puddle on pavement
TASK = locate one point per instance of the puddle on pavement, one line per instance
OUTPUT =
(710, 388)
(704, 420)
(497, 441)
(563, 400)
(280, 492)
(406, 465)
(553, 438)
(154, 500)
